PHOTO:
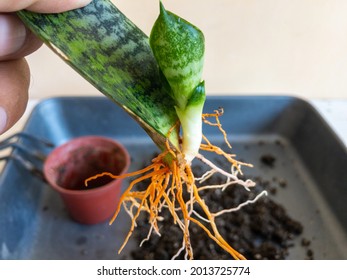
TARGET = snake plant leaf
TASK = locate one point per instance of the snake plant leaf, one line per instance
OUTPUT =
(179, 48)
(114, 55)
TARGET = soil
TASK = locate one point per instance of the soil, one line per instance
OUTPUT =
(268, 160)
(263, 230)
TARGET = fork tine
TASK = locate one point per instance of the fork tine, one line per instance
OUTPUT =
(12, 142)
(26, 164)
(8, 140)
(34, 138)
(28, 136)
(35, 154)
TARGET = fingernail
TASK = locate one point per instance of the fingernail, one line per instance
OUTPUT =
(3, 120)
(12, 35)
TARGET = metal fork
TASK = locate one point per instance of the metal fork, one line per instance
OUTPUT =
(25, 156)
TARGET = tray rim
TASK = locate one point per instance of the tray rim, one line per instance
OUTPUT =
(250, 96)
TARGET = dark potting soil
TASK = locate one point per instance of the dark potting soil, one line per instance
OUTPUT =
(262, 230)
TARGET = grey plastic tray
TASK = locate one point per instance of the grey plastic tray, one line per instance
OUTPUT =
(35, 225)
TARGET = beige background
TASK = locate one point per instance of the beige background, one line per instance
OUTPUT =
(296, 47)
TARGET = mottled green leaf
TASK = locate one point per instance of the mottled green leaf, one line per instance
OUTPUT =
(179, 48)
(113, 54)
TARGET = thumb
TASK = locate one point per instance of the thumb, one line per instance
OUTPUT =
(15, 39)
(14, 81)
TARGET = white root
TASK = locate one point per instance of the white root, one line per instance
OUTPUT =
(247, 184)
(251, 201)
(148, 236)
(183, 247)
(206, 176)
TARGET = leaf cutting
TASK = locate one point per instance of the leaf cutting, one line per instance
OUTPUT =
(158, 81)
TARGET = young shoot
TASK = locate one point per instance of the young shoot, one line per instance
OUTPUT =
(191, 123)
(178, 47)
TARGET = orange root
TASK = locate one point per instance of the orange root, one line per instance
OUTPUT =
(166, 189)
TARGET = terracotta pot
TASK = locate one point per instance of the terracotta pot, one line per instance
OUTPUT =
(69, 165)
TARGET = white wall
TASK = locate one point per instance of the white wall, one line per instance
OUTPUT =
(294, 47)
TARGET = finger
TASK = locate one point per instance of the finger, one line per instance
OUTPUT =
(15, 39)
(14, 81)
(42, 6)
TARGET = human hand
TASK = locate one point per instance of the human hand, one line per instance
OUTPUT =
(16, 41)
